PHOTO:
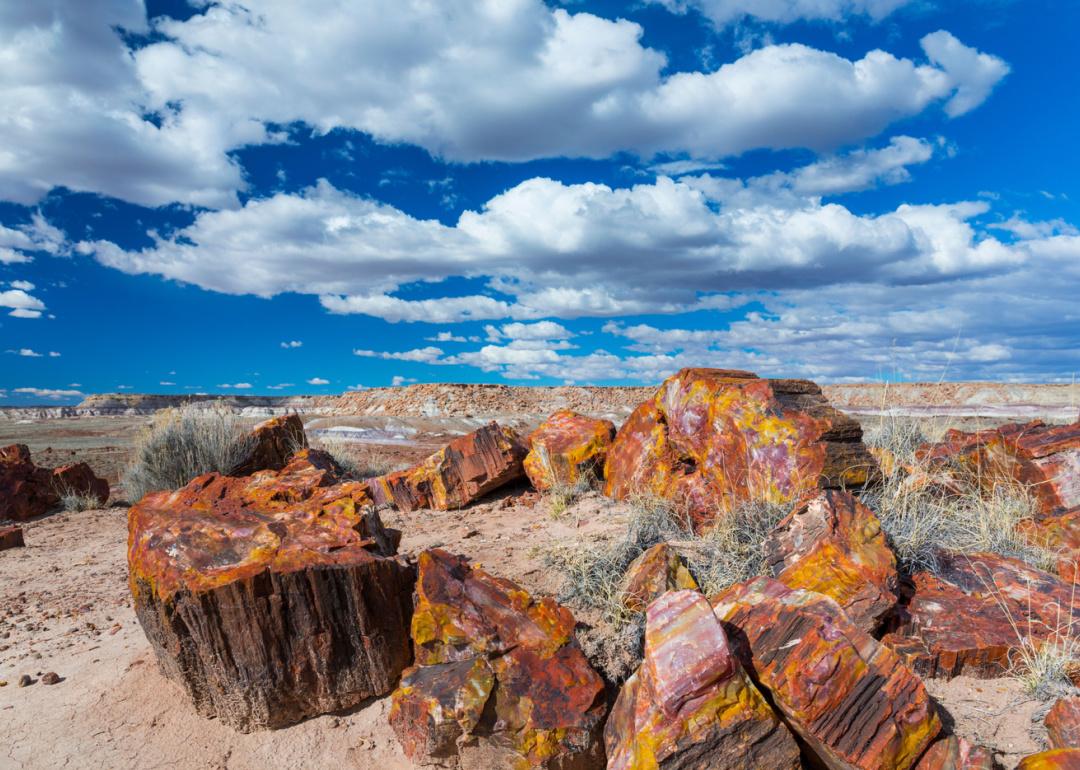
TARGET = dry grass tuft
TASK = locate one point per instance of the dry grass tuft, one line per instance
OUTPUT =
(593, 573)
(359, 461)
(183, 443)
(561, 496)
(921, 518)
(74, 501)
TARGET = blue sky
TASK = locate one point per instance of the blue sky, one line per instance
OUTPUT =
(282, 198)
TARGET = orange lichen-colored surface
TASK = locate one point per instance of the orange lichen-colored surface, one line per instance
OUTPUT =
(691, 699)
(548, 710)
(463, 471)
(711, 439)
(1055, 759)
(833, 544)
(566, 446)
(853, 701)
(219, 529)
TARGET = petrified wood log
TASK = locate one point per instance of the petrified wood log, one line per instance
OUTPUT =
(652, 574)
(1063, 723)
(272, 597)
(852, 700)
(11, 537)
(1044, 459)
(27, 490)
(961, 620)
(690, 704)
(566, 447)
(460, 473)
(271, 444)
(954, 753)
(500, 680)
(712, 439)
(833, 544)
(1055, 759)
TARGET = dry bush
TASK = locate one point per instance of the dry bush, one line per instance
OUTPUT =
(593, 573)
(183, 443)
(560, 496)
(72, 500)
(922, 518)
(358, 460)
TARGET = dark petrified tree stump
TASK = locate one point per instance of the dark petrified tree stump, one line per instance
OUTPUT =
(271, 598)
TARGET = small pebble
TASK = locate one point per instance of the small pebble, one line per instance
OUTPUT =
(25, 680)
(51, 678)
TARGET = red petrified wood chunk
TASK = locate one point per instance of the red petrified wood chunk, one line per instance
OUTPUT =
(1043, 458)
(657, 571)
(712, 439)
(272, 597)
(1063, 724)
(833, 544)
(690, 704)
(11, 537)
(567, 447)
(961, 620)
(1055, 759)
(27, 490)
(954, 753)
(271, 445)
(460, 473)
(851, 699)
(499, 681)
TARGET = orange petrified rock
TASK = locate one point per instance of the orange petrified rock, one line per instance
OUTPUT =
(566, 447)
(833, 544)
(1042, 458)
(961, 619)
(272, 443)
(499, 681)
(272, 597)
(27, 490)
(652, 574)
(462, 472)
(712, 439)
(1055, 759)
(690, 704)
(1063, 723)
(851, 699)
(954, 753)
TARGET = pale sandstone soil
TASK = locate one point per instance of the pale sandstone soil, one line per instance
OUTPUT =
(64, 608)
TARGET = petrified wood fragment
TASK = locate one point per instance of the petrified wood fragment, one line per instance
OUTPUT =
(1042, 458)
(712, 439)
(460, 473)
(852, 700)
(961, 620)
(271, 444)
(833, 544)
(690, 704)
(27, 490)
(567, 447)
(272, 597)
(652, 574)
(500, 680)
(952, 753)
(1063, 723)
(11, 537)
(1055, 759)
